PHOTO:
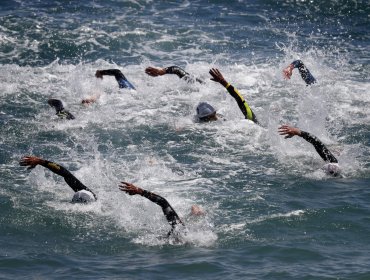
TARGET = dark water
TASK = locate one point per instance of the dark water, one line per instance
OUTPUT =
(271, 212)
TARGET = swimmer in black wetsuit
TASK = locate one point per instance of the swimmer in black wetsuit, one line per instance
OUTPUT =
(243, 105)
(171, 215)
(303, 70)
(176, 70)
(332, 166)
(120, 78)
(60, 111)
(205, 111)
(82, 193)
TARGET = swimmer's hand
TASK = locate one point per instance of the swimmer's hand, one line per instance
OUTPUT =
(289, 131)
(154, 72)
(30, 161)
(217, 76)
(287, 72)
(98, 74)
(89, 100)
(130, 188)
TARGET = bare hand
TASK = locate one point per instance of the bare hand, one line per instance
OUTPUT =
(154, 72)
(30, 161)
(217, 76)
(90, 100)
(288, 71)
(130, 188)
(98, 74)
(289, 131)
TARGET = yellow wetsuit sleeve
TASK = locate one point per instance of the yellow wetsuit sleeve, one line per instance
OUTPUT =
(243, 105)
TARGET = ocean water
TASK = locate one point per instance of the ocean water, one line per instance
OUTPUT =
(271, 213)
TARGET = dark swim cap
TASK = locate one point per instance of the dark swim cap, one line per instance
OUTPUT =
(205, 110)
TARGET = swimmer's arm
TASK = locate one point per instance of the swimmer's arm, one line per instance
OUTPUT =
(120, 78)
(178, 71)
(168, 211)
(110, 72)
(243, 105)
(303, 70)
(72, 181)
(321, 149)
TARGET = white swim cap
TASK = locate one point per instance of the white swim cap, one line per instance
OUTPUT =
(331, 168)
(83, 196)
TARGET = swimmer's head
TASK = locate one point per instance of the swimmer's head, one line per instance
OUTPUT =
(331, 169)
(205, 112)
(196, 210)
(83, 196)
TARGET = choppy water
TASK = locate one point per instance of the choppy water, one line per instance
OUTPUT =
(271, 212)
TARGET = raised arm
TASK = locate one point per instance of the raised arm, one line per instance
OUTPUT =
(72, 181)
(243, 105)
(120, 78)
(60, 111)
(170, 214)
(321, 149)
(181, 73)
(303, 70)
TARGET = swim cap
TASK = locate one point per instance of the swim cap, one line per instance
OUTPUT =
(331, 168)
(205, 110)
(83, 196)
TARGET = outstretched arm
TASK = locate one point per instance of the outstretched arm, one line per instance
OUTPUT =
(303, 70)
(72, 181)
(168, 211)
(243, 105)
(321, 149)
(181, 73)
(120, 78)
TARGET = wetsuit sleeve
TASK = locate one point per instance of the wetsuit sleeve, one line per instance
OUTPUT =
(120, 78)
(305, 73)
(181, 73)
(71, 180)
(243, 105)
(171, 215)
(60, 111)
(321, 149)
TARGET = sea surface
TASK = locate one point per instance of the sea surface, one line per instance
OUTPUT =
(270, 211)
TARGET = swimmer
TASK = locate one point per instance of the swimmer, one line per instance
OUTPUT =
(332, 166)
(60, 111)
(82, 193)
(206, 113)
(303, 70)
(170, 214)
(243, 105)
(120, 78)
(176, 70)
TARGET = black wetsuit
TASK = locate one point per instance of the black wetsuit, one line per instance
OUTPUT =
(171, 215)
(60, 111)
(324, 153)
(181, 73)
(243, 105)
(120, 78)
(71, 180)
(305, 73)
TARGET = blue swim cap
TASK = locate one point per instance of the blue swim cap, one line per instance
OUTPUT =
(205, 110)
